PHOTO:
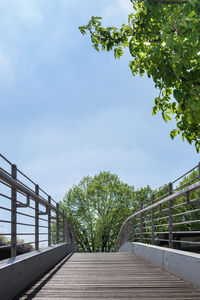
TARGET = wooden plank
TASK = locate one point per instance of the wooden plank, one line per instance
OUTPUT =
(109, 276)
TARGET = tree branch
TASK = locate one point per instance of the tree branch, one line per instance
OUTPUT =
(171, 2)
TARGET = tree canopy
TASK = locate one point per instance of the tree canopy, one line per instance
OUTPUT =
(97, 207)
(163, 39)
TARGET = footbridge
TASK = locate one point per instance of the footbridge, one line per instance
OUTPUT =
(156, 254)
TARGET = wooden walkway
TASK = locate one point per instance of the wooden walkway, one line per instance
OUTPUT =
(109, 276)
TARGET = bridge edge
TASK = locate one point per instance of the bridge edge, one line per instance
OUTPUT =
(18, 273)
(185, 265)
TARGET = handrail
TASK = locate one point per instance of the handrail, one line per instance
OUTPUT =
(177, 213)
(58, 227)
(20, 187)
(191, 188)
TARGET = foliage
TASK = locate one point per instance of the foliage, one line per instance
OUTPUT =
(194, 208)
(185, 218)
(97, 207)
(163, 39)
(25, 248)
(3, 240)
(21, 245)
(141, 197)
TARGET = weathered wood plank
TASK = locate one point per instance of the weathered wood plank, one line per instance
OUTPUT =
(110, 276)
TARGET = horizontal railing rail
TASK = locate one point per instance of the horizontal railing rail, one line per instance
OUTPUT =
(170, 217)
(25, 205)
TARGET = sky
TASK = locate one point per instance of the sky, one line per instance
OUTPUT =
(68, 111)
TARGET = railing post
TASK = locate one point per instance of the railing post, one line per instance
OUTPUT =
(63, 219)
(170, 217)
(37, 219)
(129, 231)
(123, 235)
(141, 223)
(152, 222)
(70, 234)
(67, 230)
(14, 214)
(199, 175)
(57, 224)
(133, 229)
(49, 221)
(125, 232)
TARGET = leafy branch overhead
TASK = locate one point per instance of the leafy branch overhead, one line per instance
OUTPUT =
(163, 39)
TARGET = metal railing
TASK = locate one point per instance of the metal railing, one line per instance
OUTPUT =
(170, 217)
(28, 211)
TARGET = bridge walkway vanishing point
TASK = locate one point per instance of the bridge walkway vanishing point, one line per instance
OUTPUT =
(160, 231)
(109, 276)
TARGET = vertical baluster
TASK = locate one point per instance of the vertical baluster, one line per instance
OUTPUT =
(123, 236)
(124, 241)
(63, 229)
(126, 232)
(70, 232)
(37, 219)
(199, 175)
(57, 224)
(141, 223)
(133, 232)
(13, 214)
(170, 217)
(141, 228)
(49, 221)
(129, 231)
(152, 222)
(67, 231)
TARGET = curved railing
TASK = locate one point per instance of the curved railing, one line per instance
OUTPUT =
(28, 212)
(171, 220)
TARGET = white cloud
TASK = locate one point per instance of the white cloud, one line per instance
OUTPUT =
(117, 11)
(60, 155)
(32, 32)
(29, 10)
(18, 19)
(57, 173)
(6, 68)
(22, 10)
(125, 6)
(57, 152)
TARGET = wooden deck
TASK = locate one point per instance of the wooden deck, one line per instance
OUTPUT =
(109, 276)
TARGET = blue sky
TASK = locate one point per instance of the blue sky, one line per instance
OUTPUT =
(67, 111)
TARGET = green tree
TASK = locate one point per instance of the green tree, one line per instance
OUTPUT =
(193, 207)
(141, 198)
(97, 207)
(3, 240)
(163, 39)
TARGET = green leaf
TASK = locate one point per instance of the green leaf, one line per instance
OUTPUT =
(118, 52)
(82, 29)
(163, 41)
